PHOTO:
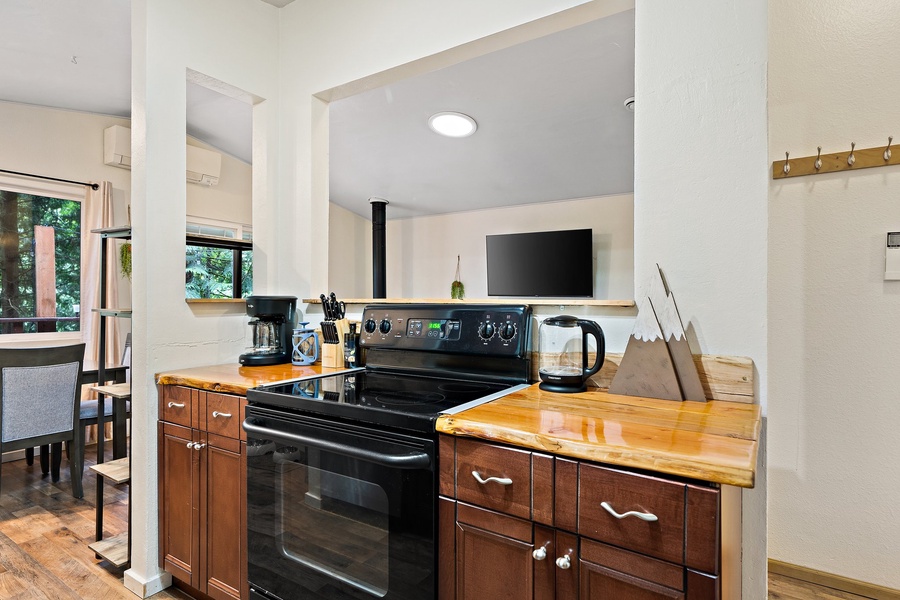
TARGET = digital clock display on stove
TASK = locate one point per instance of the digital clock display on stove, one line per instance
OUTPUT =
(442, 329)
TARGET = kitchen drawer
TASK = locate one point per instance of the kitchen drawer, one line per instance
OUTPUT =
(505, 475)
(624, 492)
(177, 405)
(222, 415)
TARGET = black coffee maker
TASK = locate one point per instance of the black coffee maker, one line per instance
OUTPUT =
(272, 321)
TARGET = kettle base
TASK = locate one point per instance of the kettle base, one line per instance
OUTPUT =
(562, 389)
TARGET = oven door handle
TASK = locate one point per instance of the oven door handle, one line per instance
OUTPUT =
(411, 459)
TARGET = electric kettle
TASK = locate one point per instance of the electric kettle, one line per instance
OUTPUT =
(564, 352)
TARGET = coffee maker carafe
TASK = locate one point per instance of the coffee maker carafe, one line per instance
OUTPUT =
(564, 353)
(271, 323)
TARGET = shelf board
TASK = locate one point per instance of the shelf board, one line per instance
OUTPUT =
(531, 301)
(114, 232)
(118, 390)
(113, 312)
(117, 471)
(113, 549)
(216, 300)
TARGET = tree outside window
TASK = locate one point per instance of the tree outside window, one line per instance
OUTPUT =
(40, 263)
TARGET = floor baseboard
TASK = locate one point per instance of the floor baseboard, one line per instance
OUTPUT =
(837, 582)
(13, 455)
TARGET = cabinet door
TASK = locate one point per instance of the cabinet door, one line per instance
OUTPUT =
(493, 556)
(610, 572)
(224, 469)
(179, 502)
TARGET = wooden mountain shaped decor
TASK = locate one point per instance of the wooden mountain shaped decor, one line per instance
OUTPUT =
(663, 302)
(646, 368)
(658, 361)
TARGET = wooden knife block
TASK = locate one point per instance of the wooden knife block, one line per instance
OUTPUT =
(332, 355)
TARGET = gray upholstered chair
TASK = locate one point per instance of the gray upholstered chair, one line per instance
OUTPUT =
(40, 395)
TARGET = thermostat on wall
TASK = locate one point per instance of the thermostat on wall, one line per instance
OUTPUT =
(892, 257)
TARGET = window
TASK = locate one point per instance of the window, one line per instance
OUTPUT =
(218, 260)
(40, 262)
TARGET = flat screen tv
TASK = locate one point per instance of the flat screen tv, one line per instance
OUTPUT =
(545, 263)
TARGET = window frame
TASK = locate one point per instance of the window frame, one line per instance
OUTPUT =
(61, 191)
(242, 241)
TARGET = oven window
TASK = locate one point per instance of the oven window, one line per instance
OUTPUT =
(343, 517)
(334, 523)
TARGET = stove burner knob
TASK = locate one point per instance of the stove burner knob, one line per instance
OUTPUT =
(486, 331)
(370, 326)
(385, 326)
(507, 331)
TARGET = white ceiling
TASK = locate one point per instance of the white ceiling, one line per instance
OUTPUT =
(552, 124)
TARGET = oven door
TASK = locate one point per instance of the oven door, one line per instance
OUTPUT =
(337, 510)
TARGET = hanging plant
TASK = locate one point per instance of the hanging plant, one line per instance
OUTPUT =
(125, 259)
(457, 289)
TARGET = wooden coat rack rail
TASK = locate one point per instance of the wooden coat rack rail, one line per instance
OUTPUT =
(853, 160)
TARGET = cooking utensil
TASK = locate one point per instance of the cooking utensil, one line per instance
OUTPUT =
(564, 353)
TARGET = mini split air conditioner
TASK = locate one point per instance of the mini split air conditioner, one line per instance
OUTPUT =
(203, 166)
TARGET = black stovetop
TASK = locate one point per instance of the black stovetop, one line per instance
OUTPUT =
(421, 360)
(396, 400)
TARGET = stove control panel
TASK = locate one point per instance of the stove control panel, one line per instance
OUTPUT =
(501, 330)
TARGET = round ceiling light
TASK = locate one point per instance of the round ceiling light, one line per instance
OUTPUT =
(452, 124)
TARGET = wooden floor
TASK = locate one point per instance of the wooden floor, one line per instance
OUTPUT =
(45, 532)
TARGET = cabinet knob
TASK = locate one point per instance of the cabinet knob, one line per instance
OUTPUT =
(176, 404)
(539, 554)
(190, 444)
(564, 562)
(199, 446)
(217, 414)
(482, 481)
(643, 516)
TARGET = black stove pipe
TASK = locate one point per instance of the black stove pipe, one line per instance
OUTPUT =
(379, 257)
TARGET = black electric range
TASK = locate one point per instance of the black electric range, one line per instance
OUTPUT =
(342, 482)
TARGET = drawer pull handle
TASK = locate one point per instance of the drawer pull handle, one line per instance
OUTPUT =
(564, 562)
(540, 553)
(643, 516)
(500, 480)
(199, 446)
(190, 444)
(221, 414)
(176, 405)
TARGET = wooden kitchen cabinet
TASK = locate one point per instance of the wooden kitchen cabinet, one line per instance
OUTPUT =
(202, 485)
(499, 541)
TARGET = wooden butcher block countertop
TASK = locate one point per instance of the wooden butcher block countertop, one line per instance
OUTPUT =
(714, 441)
(233, 378)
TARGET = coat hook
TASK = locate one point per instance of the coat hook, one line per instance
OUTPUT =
(787, 165)
(818, 163)
(887, 151)
(851, 159)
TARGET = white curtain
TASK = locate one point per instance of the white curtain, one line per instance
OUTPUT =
(98, 213)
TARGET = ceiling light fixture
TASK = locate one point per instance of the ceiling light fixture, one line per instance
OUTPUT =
(452, 124)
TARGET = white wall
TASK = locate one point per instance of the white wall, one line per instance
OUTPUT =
(233, 41)
(834, 451)
(700, 206)
(421, 252)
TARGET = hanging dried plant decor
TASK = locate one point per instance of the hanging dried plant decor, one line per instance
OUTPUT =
(125, 259)
(457, 289)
